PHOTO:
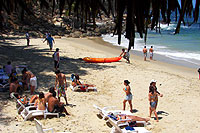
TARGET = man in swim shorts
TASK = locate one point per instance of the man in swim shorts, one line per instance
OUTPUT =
(145, 53)
(62, 85)
(151, 53)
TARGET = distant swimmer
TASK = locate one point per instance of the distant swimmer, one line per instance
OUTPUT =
(151, 53)
(145, 53)
(125, 55)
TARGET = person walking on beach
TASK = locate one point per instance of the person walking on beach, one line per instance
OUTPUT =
(153, 86)
(125, 55)
(153, 95)
(27, 38)
(199, 73)
(151, 53)
(62, 85)
(56, 58)
(129, 96)
(50, 41)
(145, 53)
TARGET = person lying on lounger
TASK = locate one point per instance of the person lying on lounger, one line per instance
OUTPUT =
(83, 87)
(120, 116)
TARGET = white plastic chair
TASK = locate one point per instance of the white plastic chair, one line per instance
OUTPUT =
(39, 127)
(104, 112)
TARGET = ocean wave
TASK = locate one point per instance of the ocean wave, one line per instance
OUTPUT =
(159, 49)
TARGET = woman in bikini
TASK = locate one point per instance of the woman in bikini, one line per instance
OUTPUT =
(40, 103)
(153, 96)
(129, 96)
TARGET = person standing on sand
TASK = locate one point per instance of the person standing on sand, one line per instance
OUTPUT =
(145, 53)
(50, 41)
(125, 55)
(29, 76)
(56, 58)
(27, 38)
(199, 73)
(151, 53)
(129, 96)
(62, 83)
(153, 86)
(153, 95)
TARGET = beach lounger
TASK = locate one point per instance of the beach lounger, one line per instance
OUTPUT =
(28, 114)
(39, 127)
(104, 112)
(117, 129)
(20, 106)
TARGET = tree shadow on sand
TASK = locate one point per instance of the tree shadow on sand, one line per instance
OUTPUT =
(40, 64)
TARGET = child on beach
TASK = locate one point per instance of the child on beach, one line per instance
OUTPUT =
(56, 59)
(125, 55)
(153, 95)
(128, 97)
(151, 53)
(145, 53)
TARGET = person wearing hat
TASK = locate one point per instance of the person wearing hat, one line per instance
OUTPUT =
(129, 96)
(153, 86)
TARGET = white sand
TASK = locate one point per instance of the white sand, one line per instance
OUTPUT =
(180, 87)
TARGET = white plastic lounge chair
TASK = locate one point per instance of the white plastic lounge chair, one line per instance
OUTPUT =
(39, 127)
(21, 106)
(104, 112)
(117, 129)
(28, 114)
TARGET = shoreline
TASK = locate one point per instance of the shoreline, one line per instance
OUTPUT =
(164, 58)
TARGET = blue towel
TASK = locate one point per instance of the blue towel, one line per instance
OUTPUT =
(113, 117)
(129, 128)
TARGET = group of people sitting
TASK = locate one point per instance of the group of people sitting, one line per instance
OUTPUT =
(47, 102)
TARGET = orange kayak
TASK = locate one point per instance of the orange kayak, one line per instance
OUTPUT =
(101, 60)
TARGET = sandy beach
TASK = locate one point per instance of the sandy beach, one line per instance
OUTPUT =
(178, 109)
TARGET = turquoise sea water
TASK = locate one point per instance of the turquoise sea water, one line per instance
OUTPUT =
(183, 46)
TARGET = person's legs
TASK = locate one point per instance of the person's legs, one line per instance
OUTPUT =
(136, 118)
(32, 89)
(130, 103)
(155, 113)
(150, 112)
(28, 42)
(124, 104)
(66, 100)
(64, 110)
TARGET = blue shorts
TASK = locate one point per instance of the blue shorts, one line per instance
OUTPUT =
(128, 97)
(153, 104)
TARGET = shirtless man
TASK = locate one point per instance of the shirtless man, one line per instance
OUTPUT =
(151, 53)
(62, 85)
(14, 85)
(54, 106)
(49, 94)
(30, 77)
(145, 53)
